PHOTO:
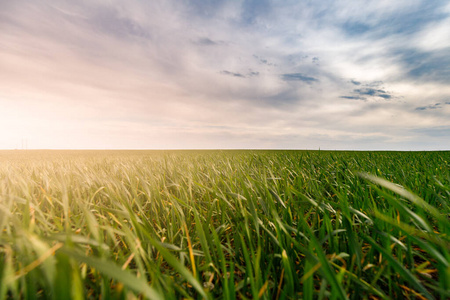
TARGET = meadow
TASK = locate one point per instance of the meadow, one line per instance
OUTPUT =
(224, 225)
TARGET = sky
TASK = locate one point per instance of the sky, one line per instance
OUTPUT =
(211, 74)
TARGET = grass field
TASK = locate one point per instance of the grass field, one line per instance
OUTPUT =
(224, 224)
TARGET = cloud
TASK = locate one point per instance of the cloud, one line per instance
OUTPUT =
(110, 21)
(255, 11)
(434, 36)
(385, 19)
(377, 83)
(435, 131)
(206, 42)
(263, 60)
(353, 97)
(298, 77)
(432, 106)
(426, 66)
(384, 96)
(373, 92)
(235, 74)
(225, 72)
(355, 28)
(355, 82)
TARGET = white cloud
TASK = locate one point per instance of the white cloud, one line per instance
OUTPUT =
(435, 36)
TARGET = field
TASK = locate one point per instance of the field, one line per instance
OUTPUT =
(224, 224)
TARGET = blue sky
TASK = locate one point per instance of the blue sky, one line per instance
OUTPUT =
(225, 74)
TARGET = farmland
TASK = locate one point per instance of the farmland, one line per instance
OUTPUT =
(229, 224)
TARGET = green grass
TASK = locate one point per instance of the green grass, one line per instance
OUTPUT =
(224, 224)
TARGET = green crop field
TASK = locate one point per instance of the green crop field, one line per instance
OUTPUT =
(224, 225)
